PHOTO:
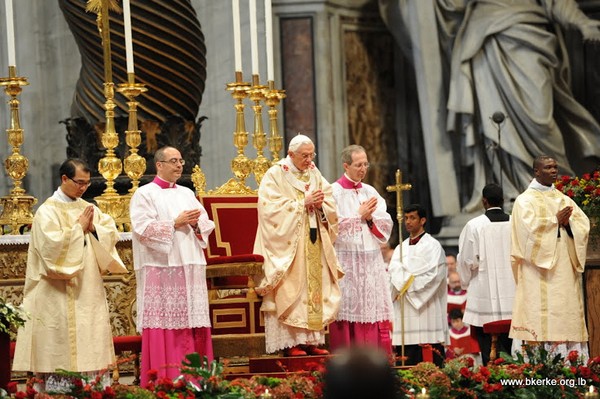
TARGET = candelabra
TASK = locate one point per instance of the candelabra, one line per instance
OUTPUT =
(261, 164)
(272, 98)
(241, 165)
(110, 166)
(135, 165)
(17, 207)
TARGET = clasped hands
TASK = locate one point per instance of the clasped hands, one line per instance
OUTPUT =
(366, 209)
(187, 218)
(563, 215)
(314, 199)
(86, 219)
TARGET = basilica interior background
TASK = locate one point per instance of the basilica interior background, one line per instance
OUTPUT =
(346, 76)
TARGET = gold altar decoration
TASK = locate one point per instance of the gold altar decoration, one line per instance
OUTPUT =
(272, 98)
(17, 207)
(198, 180)
(261, 164)
(110, 166)
(398, 188)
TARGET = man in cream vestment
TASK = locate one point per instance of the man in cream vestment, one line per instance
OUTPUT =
(297, 226)
(72, 244)
(549, 243)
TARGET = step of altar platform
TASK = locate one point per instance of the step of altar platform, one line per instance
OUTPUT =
(280, 364)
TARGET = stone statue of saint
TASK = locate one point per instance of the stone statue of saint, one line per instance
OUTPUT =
(496, 56)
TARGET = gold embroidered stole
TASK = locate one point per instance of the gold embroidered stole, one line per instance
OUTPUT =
(314, 272)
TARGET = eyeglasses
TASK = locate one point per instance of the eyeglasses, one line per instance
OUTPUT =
(306, 157)
(361, 165)
(175, 161)
(80, 183)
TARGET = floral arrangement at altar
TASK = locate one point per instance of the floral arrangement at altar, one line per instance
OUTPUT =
(537, 373)
(11, 318)
(585, 191)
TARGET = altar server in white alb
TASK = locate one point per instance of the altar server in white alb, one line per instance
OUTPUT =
(421, 277)
(485, 271)
(72, 243)
(366, 310)
(548, 253)
(170, 228)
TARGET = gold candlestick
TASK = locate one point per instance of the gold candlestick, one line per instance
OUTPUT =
(272, 99)
(423, 394)
(241, 165)
(261, 164)
(17, 207)
(109, 166)
(135, 165)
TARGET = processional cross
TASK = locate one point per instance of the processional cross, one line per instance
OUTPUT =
(398, 188)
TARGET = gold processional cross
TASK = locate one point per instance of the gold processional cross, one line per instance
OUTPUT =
(398, 188)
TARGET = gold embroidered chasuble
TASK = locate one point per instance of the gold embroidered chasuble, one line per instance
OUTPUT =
(299, 283)
(548, 266)
(64, 291)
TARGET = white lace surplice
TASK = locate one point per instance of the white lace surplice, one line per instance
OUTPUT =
(366, 294)
(170, 265)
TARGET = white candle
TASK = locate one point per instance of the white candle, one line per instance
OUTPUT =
(237, 35)
(128, 40)
(269, 41)
(253, 37)
(10, 33)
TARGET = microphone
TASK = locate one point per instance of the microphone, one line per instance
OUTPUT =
(498, 117)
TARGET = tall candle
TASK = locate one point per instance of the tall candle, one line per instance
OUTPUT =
(269, 39)
(253, 37)
(10, 33)
(237, 35)
(128, 40)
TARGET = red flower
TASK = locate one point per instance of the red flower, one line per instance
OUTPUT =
(12, 387)
(109, 393)
(31, 392)
(585, 372)
(565, 178)
(573, 356)
(586, 176)
(570, 193)
(152, 374)
(596, 174)
(485, 371)
(559, 186)
(161, 395)
(20, 395)
(498, 361)
(575, 182)
(470, 361)
(96, 395)
(465, 372)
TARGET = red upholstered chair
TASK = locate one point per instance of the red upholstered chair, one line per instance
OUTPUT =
(230, 247)
(495, 328)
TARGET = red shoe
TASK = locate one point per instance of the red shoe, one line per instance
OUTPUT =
(294, 351)
(313, 350)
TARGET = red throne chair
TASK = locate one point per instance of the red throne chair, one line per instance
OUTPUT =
(237, 324)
